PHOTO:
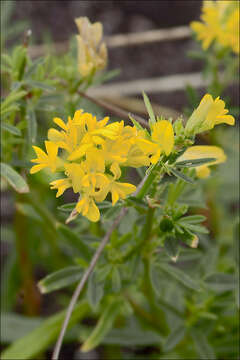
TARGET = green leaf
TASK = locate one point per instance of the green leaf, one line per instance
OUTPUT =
(72, 237)
(28, 210)
(195, 162)
(33, 67)
(67, 207)
(180, 276)
(103, 326)
(116, 280)
(220, 282)
(171, 245)
(14, 179)
(11, 129)
(196, 228)
(95, 290)
(32, 123)
(174, 338)
(38, 340)
(14, 96)
(182, 176)
(40, 85)
(203, 348)
(149, 108)
(14, 326)
(60, 279)
(193, 219)
(71, 206)
(135, 122)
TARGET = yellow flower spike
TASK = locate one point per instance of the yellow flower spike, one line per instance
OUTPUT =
(92, 54)
(91, 150)
(49, 160)
(201, 152)
(88, 208)
(208, 114)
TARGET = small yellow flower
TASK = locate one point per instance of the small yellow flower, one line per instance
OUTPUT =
(220, 23)
(92, 53)
(88, 208)
(201, 152)
(208, 114)
(162, 140)
(49, 160)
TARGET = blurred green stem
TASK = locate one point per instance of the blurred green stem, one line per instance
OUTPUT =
(32, 297)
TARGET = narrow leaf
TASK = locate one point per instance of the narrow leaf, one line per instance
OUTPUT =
(32, 124)
(193, 219)
(195, 162)
(149, 108)
(34, 66)
(174, 338)
(182, 176)
(220, 282)
(14, 179)
(135, 122)
(72, 237)
(103, 326)
(38, 340)
(95, 290)
(181, 276)
(11, 129)
(60, 279)
(204, 350)
(40, 85)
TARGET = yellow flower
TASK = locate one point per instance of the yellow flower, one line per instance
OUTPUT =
(120, 190)
(49, 160)
(88, 208)
(163, 136)
(231, 34)
(92, 53)
(92, 153)
(61, 185)
(220, 23)
(201, 152)
(208, 114)
(210, 28)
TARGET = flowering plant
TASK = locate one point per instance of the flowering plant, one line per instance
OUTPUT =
(141, 234)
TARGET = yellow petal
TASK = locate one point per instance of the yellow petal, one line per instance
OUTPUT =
(40, 153)
(202, 172)
(93, 213)
(37, 168)
(60, 123)
(55, 135)
(163, 135)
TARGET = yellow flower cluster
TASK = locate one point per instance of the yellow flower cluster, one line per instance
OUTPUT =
(220, 22)
(92, 153)
(92, 52)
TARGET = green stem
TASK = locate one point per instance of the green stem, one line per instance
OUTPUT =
(144, 315)
(32, 297)
(147, 182)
